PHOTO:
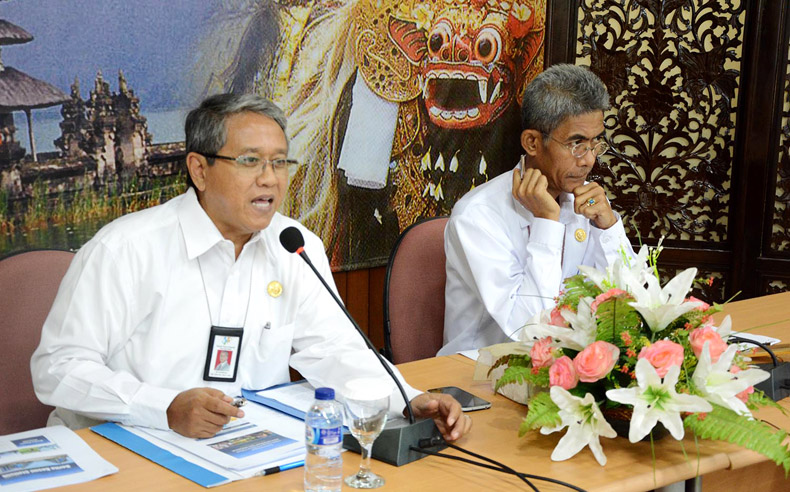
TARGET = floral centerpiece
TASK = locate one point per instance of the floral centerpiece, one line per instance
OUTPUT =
(618, 345)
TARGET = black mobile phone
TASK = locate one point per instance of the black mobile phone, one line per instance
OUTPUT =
(468, 401)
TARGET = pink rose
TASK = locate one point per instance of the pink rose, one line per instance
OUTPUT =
(557, 319)
(743, 395)
(662, 355)
(563, 374)
(698, 338)
(542, 354)
(605, 297)
(595, 361)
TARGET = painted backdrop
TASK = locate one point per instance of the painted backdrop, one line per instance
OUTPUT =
(396, 108)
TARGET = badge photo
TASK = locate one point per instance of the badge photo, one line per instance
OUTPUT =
(224, 350)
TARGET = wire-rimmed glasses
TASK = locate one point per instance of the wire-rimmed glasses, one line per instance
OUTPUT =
(254, 164)
(580, 149)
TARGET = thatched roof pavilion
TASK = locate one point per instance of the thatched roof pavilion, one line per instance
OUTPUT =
(19, 91)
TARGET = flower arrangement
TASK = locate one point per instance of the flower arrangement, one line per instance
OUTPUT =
(618, 343)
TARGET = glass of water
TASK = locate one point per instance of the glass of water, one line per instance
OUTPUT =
(367, 402)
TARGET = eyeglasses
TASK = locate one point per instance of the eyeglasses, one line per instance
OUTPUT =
(579, 150)
(250, 163)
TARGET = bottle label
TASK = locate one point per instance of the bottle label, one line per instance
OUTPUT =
(322, 437)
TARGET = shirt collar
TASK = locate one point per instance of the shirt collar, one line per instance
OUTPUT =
(200, 232)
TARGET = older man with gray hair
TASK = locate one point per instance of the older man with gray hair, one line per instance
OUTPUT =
(511, 242)
(157, 297)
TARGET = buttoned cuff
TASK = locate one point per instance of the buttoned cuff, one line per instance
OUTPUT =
(547, 232)
(149, 406)
(611, 238)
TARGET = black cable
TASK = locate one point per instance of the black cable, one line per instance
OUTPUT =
(500, 467)
(763, 346)
(473, 462)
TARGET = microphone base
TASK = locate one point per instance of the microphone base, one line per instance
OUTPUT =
(392, 445)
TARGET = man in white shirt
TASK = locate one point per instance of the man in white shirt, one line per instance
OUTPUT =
(149, 302)
(511, 242)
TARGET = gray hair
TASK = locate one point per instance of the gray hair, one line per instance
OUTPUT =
(560, 92)
(205, 128)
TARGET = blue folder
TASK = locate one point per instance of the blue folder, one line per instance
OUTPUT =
(162, 457)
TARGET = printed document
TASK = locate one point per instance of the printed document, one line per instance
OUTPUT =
(261, 439)
(49, 457)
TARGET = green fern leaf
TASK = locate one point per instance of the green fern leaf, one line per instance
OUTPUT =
(575, 288)
(542, 412)
(759, 400)
(614, 317)
(725, 425)
(520, 374)
(511, 360)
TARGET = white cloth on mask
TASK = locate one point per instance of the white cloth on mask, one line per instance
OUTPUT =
(129, 328)
(504, 264)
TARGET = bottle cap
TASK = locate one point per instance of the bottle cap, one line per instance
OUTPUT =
(324, 394)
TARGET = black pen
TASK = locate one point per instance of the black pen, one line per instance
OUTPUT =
(278, 469)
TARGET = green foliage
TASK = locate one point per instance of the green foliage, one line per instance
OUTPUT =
(577, 287)
(542, 412)
(725, 425)
(520, 374)
(616, 316)
(759, 400)
(511, 360)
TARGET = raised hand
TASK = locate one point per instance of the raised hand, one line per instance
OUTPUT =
(590, 201)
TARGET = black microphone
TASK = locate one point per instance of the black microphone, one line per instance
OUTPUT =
(398, 435)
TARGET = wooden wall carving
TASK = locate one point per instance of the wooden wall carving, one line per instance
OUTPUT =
(672, 68)
(780, 237)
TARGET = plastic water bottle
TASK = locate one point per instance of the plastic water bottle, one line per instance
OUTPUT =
(323, 466)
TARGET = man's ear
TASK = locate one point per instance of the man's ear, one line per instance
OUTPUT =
(530, 141)
(196, 165)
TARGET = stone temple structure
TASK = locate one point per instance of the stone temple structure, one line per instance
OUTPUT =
(107, 128)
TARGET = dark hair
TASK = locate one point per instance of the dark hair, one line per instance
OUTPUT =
(205, 127)
(560, 92)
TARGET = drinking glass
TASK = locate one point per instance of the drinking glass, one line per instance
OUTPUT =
(366, 404)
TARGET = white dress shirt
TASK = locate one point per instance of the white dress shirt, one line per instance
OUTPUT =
(504, 264)
(129, 328)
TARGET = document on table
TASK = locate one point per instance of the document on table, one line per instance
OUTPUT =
(755, 338)
(262, 439)
(50, 457)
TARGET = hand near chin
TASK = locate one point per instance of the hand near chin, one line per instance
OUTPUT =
(590, 201)
(530, 188)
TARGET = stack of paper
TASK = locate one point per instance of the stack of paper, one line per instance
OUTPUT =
(263, 439)
(45, 458)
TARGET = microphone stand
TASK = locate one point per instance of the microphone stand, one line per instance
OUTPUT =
(398, 436)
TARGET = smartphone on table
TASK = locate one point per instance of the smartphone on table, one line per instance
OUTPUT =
(468, 401)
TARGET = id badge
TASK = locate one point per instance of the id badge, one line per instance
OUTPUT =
(224, 351)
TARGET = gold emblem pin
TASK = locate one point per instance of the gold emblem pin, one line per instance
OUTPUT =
(580, 235)
(274, 288)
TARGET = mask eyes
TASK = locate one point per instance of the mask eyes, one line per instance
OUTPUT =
(488, 45)
(438, 38)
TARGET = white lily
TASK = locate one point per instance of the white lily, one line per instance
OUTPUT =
(585, 424)
(659, 307)
(725, 328)
(581, 333)
(622, 274)
(656, 400)
(718, 385)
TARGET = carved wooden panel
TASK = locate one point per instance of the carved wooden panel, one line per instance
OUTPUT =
(672, 68)
(780, 237)
(776, 286)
